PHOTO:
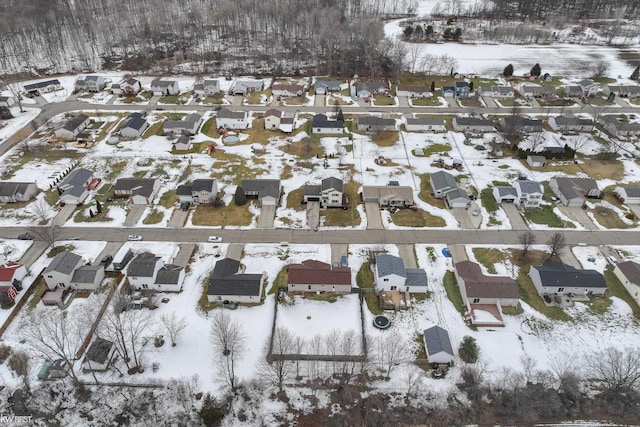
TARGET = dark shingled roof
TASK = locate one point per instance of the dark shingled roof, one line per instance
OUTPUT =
(64, 262)
(169, 274)
(143, 265)
(388, 264)
(557, 274)
(226, 280)
(437, 340)
(631, 271)
(99, 350)
(86, 273)
(321, 121)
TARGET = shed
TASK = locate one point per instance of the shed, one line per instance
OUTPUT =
(437, 345)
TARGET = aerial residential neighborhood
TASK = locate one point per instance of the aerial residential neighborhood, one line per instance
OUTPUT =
(276, 247)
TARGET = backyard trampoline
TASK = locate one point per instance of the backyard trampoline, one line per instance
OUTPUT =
(381, 322)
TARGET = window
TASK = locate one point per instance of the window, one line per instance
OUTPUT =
(476, 300)
(309, 287)
(385, 280)
(145, 286)
(560, 289)
(393, 288)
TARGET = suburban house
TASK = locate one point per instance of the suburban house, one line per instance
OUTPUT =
(199, 192)
(505, 194)
(520, 125)
(523, 193)
(11, 192)
(134, 126)
(457, 198)
(74, 189)
(376, 124)
(572, 191)
(182, 143)
(484, 296)
(161, 87)
(87, 277)
(438, 345)
(317, 276)
(90, 83)
(98, 356)
(463, 89)
(629, 274)
(442, 182)
(425, 124)
(629, 194)
(448, 91)
(11, 276)
(272, 119)
(42, 87)
(232, 119)
(323, 87)
(267, 191)
(321, 124)
(530, 91)
(570, 124)
(330, 193)
(388, 195)
(72, 128)
(536, 161)
(619, 128)
(472, 124)
(58, 275)
(229, 283)
(368, 89)
(286, 124)
(556, 278)
(187, 126)
(147, 271)
(572, 91)
(7, 101)
(141, 191)
(211, 87)
(244, 87)
(287, 90)
(496, 91)
(391, 275)
(412, 91)
(589, 87)
(128, 87)
(622, 91)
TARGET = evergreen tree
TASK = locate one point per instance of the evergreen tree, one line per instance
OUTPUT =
(340, 116)
(429, 31)
(212, 411)
(536, 71)
(469, 350)
(636, 73)
(240, 198)
(433, 86)
(408, 32)
(508, 71)
(471, 86)
(457, 33)
(98, 206)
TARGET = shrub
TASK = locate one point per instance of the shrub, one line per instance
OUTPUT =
(469, 350)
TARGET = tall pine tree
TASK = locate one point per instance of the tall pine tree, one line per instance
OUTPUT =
(536, 71)
(508, 71)
(240, 198)
(636, 73)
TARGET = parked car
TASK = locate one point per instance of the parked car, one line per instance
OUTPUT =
(480, 147)
(344, 262)
(185, 206)
(106, 260)
(25, 236)
(215, 239)
(135, 237)
(612, 260)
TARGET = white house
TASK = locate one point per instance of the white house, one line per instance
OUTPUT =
(272, 119)
(472, 124)
(553, 278)
(629, 194)
(39, 88)
(169, 278)
(11, 192)
(442, 182)
(134, 126)
(571, 124)
(437, 345)
(200, 192)
(321, 124)
(161, 87)
(11, 276)
(391, 275)
(59, 272)
(329, 193)
(425, 124)
(74, 189)
(228, 282)
(322, 87)
(529, 193)
(457, 198)
(189, 125)
(629, 274)
(412, 91)
(287, 90)
(72, 128)
(87, 277)
(90, 83)
(128, 87)
(232, 119)
(142, 271)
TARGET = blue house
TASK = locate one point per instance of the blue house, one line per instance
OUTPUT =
(448, 91)
(463, 89)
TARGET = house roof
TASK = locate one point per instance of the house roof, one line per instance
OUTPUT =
(329, 84)
(64, 262)
(413, 88)
(241, 84)
(572, 121)
(443, 180)
(472, 121)
(138, 186)
(575, 187)
(225, 113)
(436, 341)
(143, 265)
(290, 88)
(163, 83)
(169, 274)
(504, 191)
(131, 81)
(312, 190)
(416, 277)
(75, 122)
(10, 189)
(264, 187)
(425, 121)
(456, 193)
(477, 285)
(388, 264)
(557, 274)
(273, 112)
(554, 149)
(86, 273)
(519, 122)
(529, 187)
(317, 272)
(183, 190)
(74, 183)
(376, 121)
(403, 192)
(321, 121)
(136, 123)
(630, 190)
(332, 183)
(537, 159)
(99, 350)
(182, 139)
(375, 85)
(40, 85)
(631, 271)
(8, 270)
(203, 184)
(211, 82)
(226, 280)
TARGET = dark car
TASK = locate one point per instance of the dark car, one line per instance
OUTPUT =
(185, 206)
(480, 147)
(106, 260)
(25, 236)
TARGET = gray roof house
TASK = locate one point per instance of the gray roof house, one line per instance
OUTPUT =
(322, 87)
(72, 127)
(441, 182)
(388, 195)
(558, 278)
(365, 89)
(472, 124)
(529, 193)
(619, 128)
(267, 191)
(187, 126)
(426, 124)
(243, 87)
(496, 91)
(457, 198)
(321, 124)
(73, 189)
(90, 83)
(374, 124)
(391, 275)
(571, 124)
(134, 126)
(229, 283)
(521, 125)
(228, 119)
(504, 194)
(60, 270)
(161, 87)
(87, 277)
(629, 274)
(170, 277)
(574, 191)
(11, 192)
(202, 191)
(330, 193)
(437, 345)
(536, 161)
(629, 194)
(147, 271)
(141, 191)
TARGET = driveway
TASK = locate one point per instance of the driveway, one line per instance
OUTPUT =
(234, 251)
(184, 254)
(236, 100)
(64, 214)
(374, 220)
(567, 257)
(33, 253)
(516, 220)
(320, 100)
(458, 253)
(112, 248)
(267, 215)
(465, 219)
(313, 214)
(337, 250)
(578, 215)
(178, 218)
(134, 215)
(408, 255)
(403, 101)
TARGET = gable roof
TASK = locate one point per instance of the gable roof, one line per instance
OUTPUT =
(272, 112)
(373, 85)
(329, 84)
(456, 193)
(504, 191)
(332, 183)
(226, 280)
(143, 265)
(376, 121)
(8, 270)
(631, 271)
(321, 121)
(169, 274)
(40, 85)
(264, 187)
(426, 121)
(630, 190)
(318, 272)
(443, 180)
(413, 88)
(558, 274)
(225, 113)
(437, 340)
(416, 277)
(473, 121)
(572, 187)
(75, 183)
(572, 121)
(137, 186)
(10, 189)
(136, 123)
(75, 122)
(529, 187)
(99, 350)
(203, 184)
(477, 285)
(388, 264)
(86, 273)
(64, 262)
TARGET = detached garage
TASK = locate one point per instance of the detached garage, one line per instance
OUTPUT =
(437, 345)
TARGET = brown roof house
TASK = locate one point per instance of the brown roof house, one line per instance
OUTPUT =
(484, 295)
(317, 276)
(141, 191)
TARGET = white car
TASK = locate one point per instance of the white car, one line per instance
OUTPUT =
(135, 237)
(215, 239)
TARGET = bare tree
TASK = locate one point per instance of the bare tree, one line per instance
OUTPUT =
(42, 211)
(173, 325)
(615, 371)
(277, 371)
(48, 234)
(183, 391)
(390, 352)
(579, 141)
(228, 338)
(556, 243)
(19, 363)
(526, 239)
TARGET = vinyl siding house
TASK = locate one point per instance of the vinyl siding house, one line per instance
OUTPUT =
(43, 87)
(161, 87)
(90, 83)
(182, 143)
(388, 195)
(147, 271)
(457, 198)
(323, 87)
(272, 119)
(87, 277)
(570, 124)
(556, 278)
(589, 87)
(321, 124)
(628, 272)
(472, 124)
(189, 125)
(442, 182)
(211, 87)
(622, 91)
(141, 191)
(520, 125)
(463, 89)
(500, 92)
(413, 91)
(573, 192)
(330, 193)
(134, 126)
(376, 124)
(73, 189)
(287, 90)
(200, 192)
(529, 193)
(244, 87)
(505, 194)
(425, 124)
(317, 276)
(619, 128)
(229, 283)
(232, 119)
(12, 192)
(391, 275)
(266, 191)
(72, 128)
(170, 278)
(130, 86)
(529, 91)
(368, 89)
(629, 194)
(59, 272)
(438, 345)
